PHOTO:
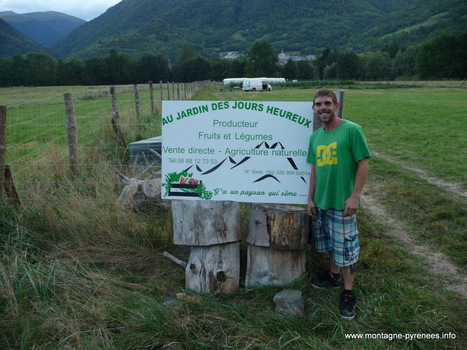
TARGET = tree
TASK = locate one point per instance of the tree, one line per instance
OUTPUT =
(438, 58)
(186, 54)
(378, 66)
(290, 70)
(6, 72)
(219, 69)
(153, 68)
(323, 59)
(330, 72)
(306, 70)
(237, 69)
(42, 69)
(404, 62)
(348, 66)
(459, 64)
(97, 71)
(72, 72)
(121, 68)
(262, 59)
(196, 69)
(19, 71)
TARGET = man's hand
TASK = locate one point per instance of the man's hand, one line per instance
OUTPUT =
(351, 206)
(312, 209)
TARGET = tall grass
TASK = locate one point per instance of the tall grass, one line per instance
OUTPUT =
(79, 272)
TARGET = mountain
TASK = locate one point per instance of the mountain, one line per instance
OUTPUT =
(44, 27)
(212, 26)
(14, 42)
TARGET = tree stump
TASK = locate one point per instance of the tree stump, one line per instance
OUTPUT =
(277, 237)
(213, 230)
(205, 223)
(214, 268)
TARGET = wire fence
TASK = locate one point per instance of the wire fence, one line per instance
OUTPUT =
(36, 150)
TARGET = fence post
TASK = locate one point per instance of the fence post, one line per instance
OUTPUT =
(116, 117)
(168, 91)
(137, 100)
(72, 130)
(162, 90)
(151, 93)
(2, 148)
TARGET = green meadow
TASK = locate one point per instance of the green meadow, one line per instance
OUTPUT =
(79, 272)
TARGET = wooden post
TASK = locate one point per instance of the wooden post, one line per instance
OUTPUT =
(2, 148)
(72, 130)
(10, 188)
(278, 236)
(115, 117)
(137, 100)
(213, 230)
(162, 90)
(168, 91)
(151, 93)
(340, 99)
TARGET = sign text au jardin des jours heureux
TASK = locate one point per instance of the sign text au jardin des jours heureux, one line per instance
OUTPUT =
(241, 151)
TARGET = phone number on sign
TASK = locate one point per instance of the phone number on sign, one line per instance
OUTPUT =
(192, 161)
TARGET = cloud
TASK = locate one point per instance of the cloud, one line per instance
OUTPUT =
(85, 9)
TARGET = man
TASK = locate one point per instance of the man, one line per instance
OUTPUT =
(339, 155)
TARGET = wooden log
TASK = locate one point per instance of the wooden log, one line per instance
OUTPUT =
(214, 268)
(204, 223)
(278, 235)
(273, 267)
(278, 226)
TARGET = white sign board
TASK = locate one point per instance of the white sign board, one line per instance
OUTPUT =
(243, 151)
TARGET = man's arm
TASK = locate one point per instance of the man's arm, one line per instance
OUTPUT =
(351, 204)
(311, 192)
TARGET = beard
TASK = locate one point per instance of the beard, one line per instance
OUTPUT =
(326, 116)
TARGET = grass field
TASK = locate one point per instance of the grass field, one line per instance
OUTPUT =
(79, 273)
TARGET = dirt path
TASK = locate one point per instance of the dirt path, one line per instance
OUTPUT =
(454, 188)
(453, 278)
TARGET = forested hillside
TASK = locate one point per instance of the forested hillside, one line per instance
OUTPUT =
(213, 26)
(44, 27)
(14, 42)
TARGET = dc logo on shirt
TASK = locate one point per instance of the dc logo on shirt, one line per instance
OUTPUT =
(327, 155)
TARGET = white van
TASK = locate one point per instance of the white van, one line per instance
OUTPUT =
(254, 84)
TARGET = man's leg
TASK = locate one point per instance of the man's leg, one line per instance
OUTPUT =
(343, 230)
(348, 274)
(347, 298)
(322, 239)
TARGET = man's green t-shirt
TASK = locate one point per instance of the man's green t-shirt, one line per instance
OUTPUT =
(335, 155)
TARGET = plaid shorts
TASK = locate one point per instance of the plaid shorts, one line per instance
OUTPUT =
(337, 233)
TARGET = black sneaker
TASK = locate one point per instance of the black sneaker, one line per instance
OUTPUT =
(347, 305)
(328, 280)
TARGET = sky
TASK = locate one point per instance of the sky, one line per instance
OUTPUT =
(84, 9)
